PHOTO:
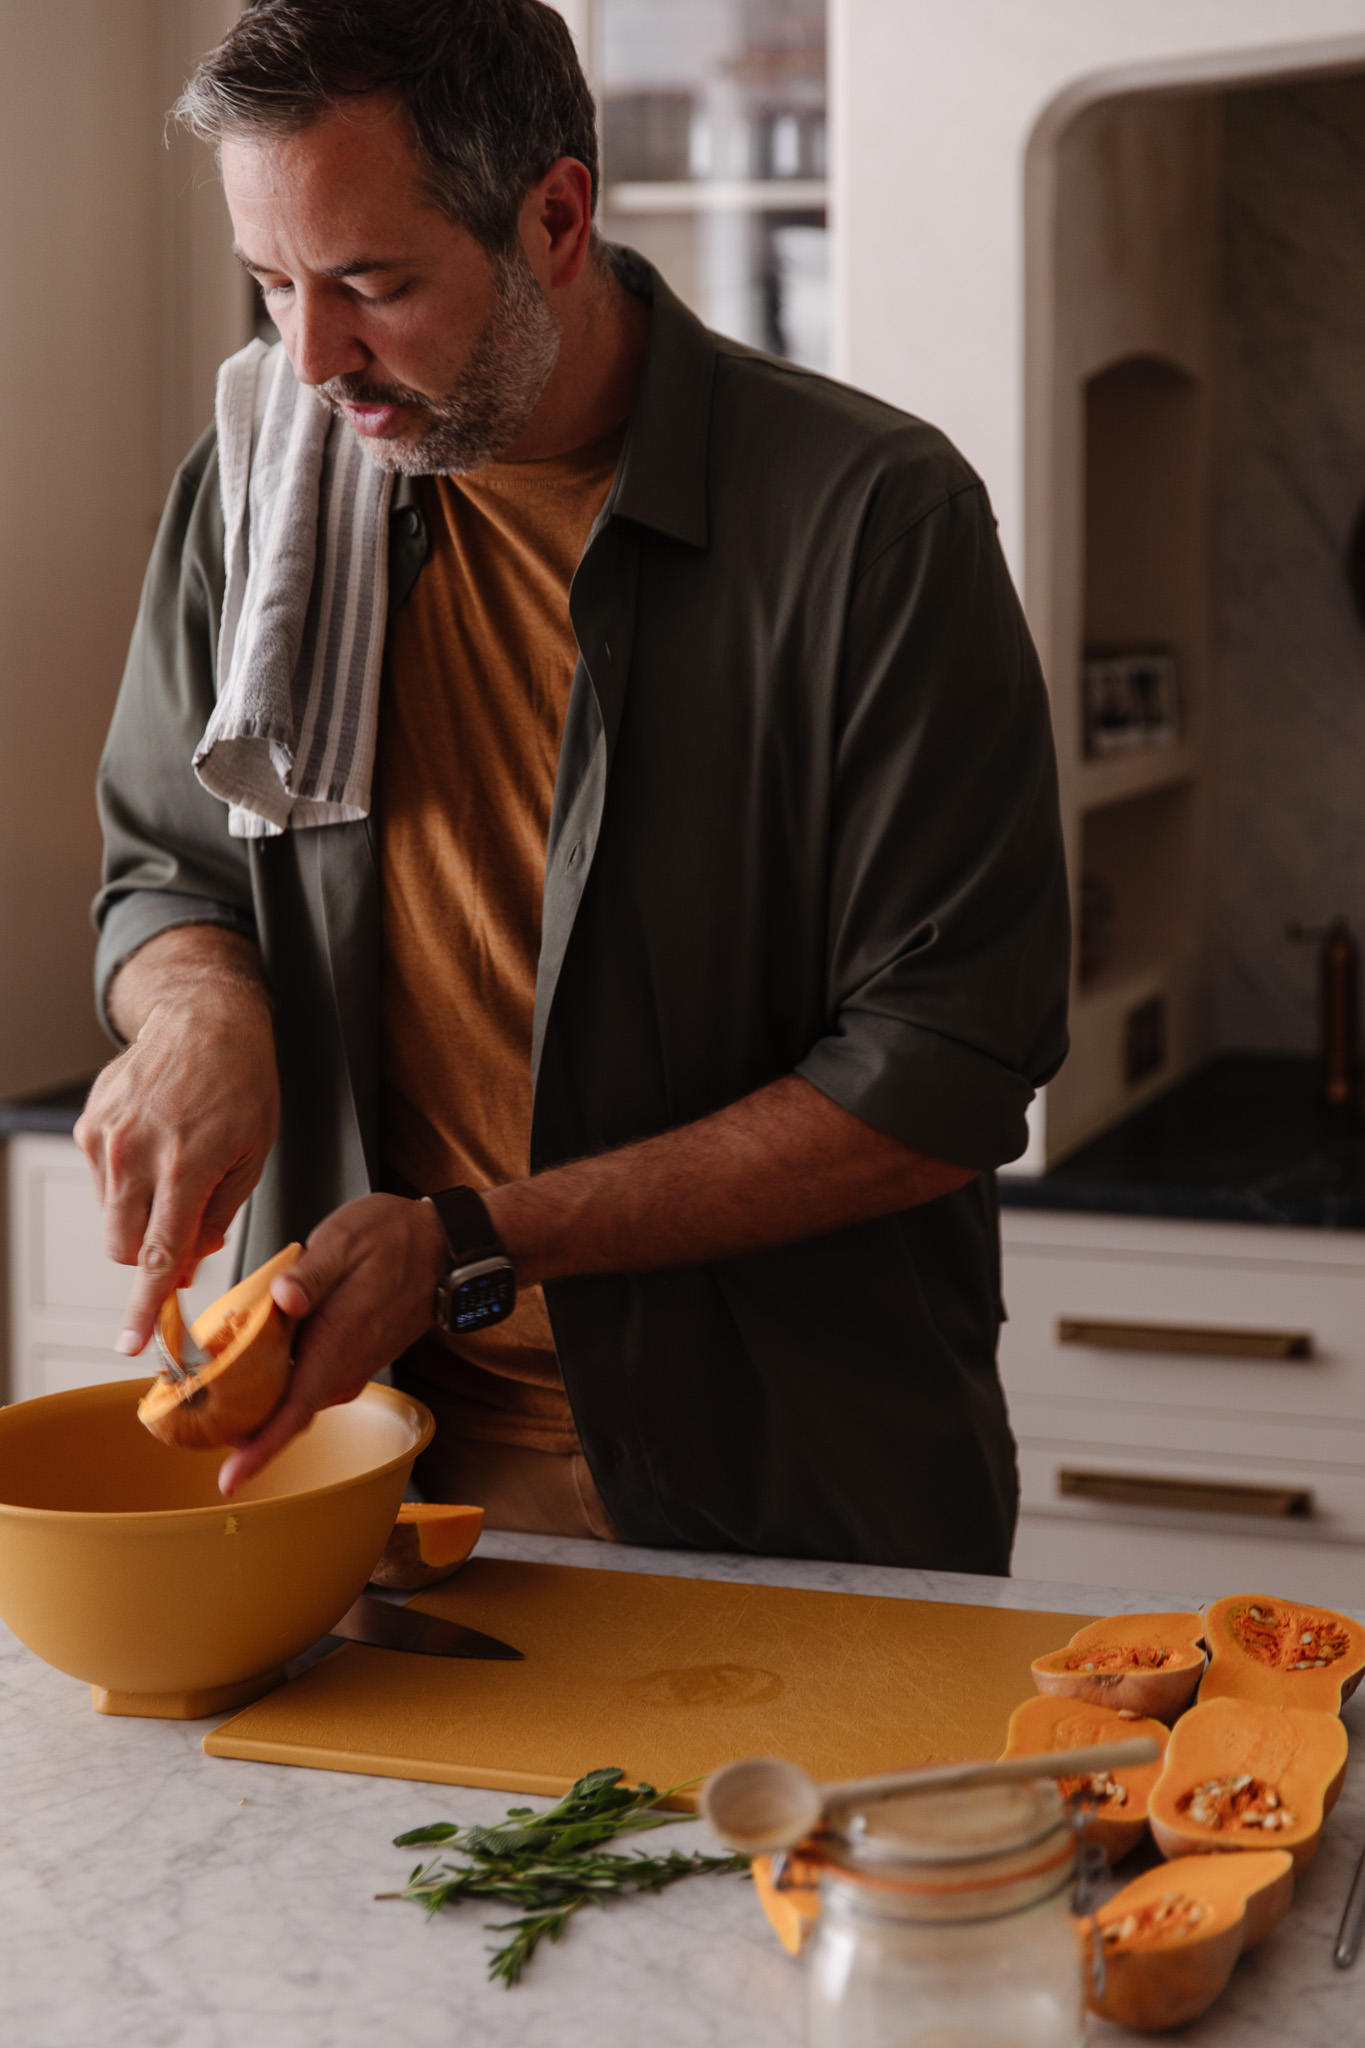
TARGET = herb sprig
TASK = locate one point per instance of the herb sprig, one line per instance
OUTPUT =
(551, 1864)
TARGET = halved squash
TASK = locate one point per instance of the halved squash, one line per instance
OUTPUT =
(1281, 1653)
(430, 1540)
(1239, 1775)
(1171, 1938)
(1119, 1798)
(247, 1339)
(791, 1900)
(1150, 1663)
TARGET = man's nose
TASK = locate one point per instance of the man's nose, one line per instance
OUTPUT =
(320, 338)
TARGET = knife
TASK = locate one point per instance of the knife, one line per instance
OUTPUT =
(385, 1627)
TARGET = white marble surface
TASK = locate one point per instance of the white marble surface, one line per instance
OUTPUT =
(152, 1897)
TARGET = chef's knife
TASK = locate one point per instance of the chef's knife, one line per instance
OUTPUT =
(385, 1627)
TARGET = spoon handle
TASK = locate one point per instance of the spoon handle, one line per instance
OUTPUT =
(1051, 1763)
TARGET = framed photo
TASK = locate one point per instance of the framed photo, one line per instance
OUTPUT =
(1129, 700)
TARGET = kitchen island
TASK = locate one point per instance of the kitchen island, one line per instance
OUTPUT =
(153, 1897)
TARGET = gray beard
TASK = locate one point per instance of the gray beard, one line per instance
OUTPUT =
(499, 388)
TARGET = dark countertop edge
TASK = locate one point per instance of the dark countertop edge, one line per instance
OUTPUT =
(1175, 1204)
(54, 1111)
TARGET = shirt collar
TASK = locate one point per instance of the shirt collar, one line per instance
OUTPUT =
(662, 478)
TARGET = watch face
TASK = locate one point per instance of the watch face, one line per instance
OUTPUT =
(484, 1299)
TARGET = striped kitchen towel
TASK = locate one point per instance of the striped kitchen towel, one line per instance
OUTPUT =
(292, 737)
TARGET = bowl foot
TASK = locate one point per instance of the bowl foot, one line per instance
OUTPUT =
(185, 1706)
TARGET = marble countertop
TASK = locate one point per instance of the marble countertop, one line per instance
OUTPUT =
(153, 1897)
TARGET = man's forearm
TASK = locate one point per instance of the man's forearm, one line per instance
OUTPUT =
(189, 961)
(782, 1164)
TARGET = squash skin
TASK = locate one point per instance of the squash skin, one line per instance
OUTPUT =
(794, 1909)
(429, 1542)
(1296, 1752)
(1160, 1691)
(1152, 1988)
(248, 1340)
(1059, 1722)
(1237, 1672)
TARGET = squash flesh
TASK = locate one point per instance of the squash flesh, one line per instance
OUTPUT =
(1241, 1776)
(1147, 1663)
(248, 1344)
(791, 1903)
(1282, 1653)
(430, 1540)
(1118, 1819)
(1172, 1937)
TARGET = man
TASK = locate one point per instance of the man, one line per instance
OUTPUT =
(708, 919)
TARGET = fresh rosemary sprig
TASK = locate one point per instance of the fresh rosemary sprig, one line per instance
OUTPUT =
(551, 1864)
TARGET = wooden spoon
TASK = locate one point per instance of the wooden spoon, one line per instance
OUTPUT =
(763, 1804)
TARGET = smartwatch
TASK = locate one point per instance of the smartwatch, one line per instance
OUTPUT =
(481, 1286)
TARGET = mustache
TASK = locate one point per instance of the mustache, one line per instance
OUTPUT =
(355, 391)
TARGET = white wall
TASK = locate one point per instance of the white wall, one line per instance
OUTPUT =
(120, 298)
(933, 111)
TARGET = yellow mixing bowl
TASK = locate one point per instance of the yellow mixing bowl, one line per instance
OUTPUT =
(121, 1563)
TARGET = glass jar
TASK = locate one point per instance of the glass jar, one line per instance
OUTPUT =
(945, 1923)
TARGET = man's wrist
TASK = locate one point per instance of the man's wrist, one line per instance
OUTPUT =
(478, 1286)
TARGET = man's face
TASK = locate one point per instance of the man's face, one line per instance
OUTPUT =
(435, 352)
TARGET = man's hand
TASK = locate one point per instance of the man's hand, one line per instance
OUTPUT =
(365, 1283)
(177, 1128)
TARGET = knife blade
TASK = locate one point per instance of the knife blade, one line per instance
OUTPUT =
(385, 1627)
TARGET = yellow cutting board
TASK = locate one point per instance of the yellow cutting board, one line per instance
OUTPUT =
(666, 1678)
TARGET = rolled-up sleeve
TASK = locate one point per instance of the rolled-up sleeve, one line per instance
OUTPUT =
(168, 857)
(948, 935)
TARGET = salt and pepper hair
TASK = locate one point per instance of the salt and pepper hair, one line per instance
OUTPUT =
(493, 89)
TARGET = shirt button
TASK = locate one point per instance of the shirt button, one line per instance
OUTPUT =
(411, 521)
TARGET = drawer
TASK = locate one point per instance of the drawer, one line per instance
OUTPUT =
(1207, 1434)
(1336, 1492)
(1157, 1277)
(1179, 1567)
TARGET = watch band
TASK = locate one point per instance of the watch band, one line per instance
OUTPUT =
(467, 1225)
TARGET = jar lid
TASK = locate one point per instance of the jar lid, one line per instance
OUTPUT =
(968, 1824)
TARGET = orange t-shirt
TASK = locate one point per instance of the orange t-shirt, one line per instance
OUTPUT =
(479, 663)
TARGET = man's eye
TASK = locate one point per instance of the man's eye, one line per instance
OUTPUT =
(275, 291)
(387, 298)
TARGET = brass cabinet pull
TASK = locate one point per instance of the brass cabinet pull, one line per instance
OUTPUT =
(1203, 1339)
(1205, 1496)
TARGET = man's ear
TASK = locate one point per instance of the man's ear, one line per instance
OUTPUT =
(556, 223)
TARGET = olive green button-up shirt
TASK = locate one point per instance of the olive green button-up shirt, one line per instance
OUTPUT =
(805, 820)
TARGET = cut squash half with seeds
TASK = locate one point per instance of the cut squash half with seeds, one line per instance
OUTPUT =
(1281, 1653)
(1239, 1776)
(1147, 1663)
(1171, 1938)
(247, 1339)
(1115, 1801)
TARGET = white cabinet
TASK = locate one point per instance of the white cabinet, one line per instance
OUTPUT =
(66, 1297)
(1189, 1400)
